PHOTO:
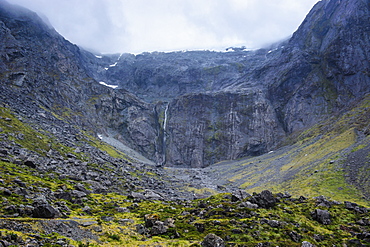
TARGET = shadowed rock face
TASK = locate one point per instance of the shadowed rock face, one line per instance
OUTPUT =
(218, 105)
(206, 128)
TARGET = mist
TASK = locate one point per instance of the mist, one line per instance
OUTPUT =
(136, 26)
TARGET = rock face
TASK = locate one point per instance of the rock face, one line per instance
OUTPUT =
(193, 109)
(206, 128)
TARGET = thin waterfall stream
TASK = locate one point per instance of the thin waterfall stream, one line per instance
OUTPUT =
(164, 133)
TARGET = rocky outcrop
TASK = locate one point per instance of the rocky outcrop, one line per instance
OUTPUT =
(206, 128)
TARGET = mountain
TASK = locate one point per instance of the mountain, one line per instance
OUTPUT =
(266, 94)
(95, 138)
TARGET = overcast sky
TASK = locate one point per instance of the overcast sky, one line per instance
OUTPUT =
(135, 26)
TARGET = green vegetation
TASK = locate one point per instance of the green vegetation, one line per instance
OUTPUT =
(313, 166)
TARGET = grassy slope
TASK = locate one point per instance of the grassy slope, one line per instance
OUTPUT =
(314, 165)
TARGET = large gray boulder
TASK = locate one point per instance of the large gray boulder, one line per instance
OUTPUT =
(212, 240)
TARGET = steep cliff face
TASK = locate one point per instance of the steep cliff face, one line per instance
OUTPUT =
(206, 128)
(40, 67)
(163, 76)
(325, 65)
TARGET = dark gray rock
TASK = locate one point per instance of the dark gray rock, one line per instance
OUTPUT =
(200, 227)
(64, 195)
(141, 229)
(274, 223)
(45, 211)
(158, 228)
(212, 240)
(307, 244)
(265, 199)
(321, 216)
(239, 195)
(295, 236)
(150, 219)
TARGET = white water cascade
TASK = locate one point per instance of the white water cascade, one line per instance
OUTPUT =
(164, 133)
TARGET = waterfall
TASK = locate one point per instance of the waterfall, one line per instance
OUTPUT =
(164, 133)
(165, 119)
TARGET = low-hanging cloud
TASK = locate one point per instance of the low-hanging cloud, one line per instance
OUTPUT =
(136, 26)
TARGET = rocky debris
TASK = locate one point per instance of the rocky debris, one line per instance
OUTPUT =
(212, 240)
(355, 207)
(323, 202)
(45, 211)
(141, 229)
(158, 228)
(265, 199)
(42, 209)
(239, 195)
(295, 236)
(150, 219)
(307, 244)
(321, 216)
(248, 204)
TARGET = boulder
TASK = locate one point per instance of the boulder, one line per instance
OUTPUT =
(265, 199)
(307, 244)
(321, 216)
(212, 240)
(158, 228)
(295, 236)
(150, 219)
(45, 211)
(239, 195)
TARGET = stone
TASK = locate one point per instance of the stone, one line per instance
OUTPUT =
(64, 195)
(141, 229)
(150, 219)
(239, 195)
(78, 194)
(170, 222)
(274, 223)
(212, 240)
(307, 244)
(158, 228)
(45, 211)
(265, 199)
(30, 163)
(321, 216)
(263, 245)
(295, 236)
(86, 223)
(122, 210)
(200, 227)
(248, 204)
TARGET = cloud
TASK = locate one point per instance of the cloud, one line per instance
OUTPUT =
(163, 25)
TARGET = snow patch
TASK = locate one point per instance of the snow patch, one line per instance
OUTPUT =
(106, 68)
(113, 65)
(100, 136)
(98, 56)
(107, 85)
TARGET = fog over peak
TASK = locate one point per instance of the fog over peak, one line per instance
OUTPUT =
(136, 26)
